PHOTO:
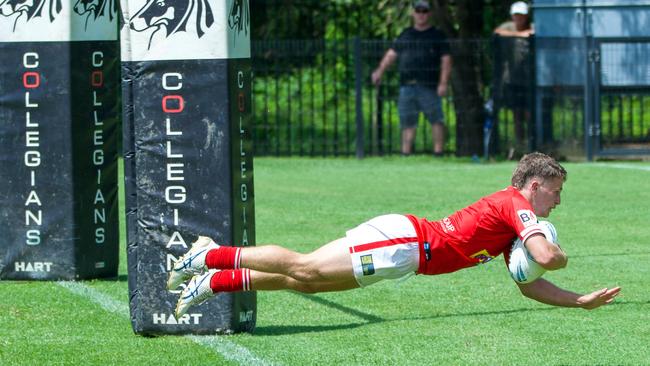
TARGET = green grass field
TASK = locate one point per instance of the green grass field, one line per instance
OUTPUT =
(475, 316)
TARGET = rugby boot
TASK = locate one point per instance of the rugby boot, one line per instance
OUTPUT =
(197, 291)
(192, 263)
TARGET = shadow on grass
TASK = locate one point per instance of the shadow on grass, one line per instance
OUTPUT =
(297, 329)
(276, 330)
(348, 310)
(373, 319)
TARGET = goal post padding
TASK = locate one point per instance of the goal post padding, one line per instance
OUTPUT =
(59, 112)
(188, 155)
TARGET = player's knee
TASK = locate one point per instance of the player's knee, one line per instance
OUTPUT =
(306, 270)
(308, 275)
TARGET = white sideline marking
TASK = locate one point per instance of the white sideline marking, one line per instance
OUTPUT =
(229, 350)
(621, 166)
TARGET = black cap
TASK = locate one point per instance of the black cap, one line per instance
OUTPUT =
(421, 4)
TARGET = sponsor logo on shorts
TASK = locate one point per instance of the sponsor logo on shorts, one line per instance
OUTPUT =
(527, 217)
(483, 256)
(367, 265)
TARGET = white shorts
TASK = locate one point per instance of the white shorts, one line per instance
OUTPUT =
(385, 247)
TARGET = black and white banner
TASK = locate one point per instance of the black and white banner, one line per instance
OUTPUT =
(58, 152)
(186, 90)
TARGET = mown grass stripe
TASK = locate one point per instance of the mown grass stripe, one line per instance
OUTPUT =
(622, 166)
(229, 350)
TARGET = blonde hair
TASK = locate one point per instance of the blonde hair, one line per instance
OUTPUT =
(536, 165)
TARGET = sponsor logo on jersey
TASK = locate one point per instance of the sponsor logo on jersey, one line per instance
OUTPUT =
(367, 265)
(483, 256)
(447, 225)
(527, 217)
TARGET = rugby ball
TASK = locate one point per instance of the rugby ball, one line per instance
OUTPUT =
(522, 266)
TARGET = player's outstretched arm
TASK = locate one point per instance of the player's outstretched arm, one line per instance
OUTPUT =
(546, 292)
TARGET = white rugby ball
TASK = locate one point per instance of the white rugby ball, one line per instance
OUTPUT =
(522, 266)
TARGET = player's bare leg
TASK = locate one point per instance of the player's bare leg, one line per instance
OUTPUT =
(329, 263)
(262, 281)
(270, 267)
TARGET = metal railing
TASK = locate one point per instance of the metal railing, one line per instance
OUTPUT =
(315, 98)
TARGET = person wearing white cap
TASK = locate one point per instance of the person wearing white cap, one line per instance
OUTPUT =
(520, 25)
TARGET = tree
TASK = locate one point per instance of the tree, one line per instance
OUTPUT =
(464, 23)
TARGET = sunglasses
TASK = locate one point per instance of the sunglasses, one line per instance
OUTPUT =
(421, 10)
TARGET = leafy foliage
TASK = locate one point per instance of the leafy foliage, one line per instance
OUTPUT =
(378, 19)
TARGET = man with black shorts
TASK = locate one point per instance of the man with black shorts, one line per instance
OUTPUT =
(393, 246)
(424, 67)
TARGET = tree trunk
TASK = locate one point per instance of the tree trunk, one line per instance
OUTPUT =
(466, 51)
(468, 99)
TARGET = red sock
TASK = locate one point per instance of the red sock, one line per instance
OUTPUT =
(223, 258)
(231, 280)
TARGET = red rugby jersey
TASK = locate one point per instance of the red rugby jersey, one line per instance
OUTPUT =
(476, 234)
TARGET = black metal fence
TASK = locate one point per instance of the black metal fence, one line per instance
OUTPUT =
(343, 20)
(622, 110)
(592, 96)
(315, 98)
(304, 98)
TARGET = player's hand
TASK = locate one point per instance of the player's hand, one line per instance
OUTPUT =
(598, 298)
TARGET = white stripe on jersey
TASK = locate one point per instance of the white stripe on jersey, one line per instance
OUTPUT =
(533, 229)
